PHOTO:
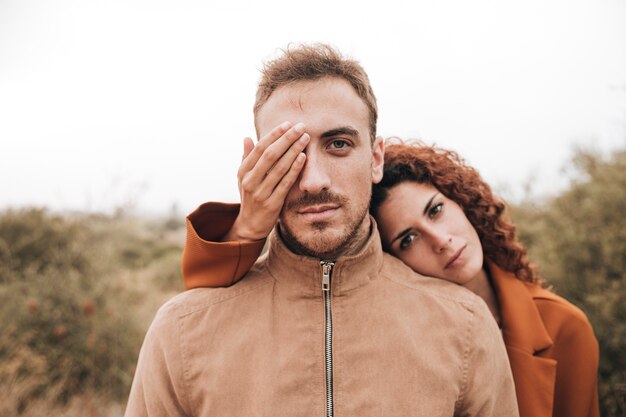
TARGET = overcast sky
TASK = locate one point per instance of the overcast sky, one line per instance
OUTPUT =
(145, 103)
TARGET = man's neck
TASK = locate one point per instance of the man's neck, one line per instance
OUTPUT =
(358, 239)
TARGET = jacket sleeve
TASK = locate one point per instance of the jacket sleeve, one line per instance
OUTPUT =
(207, 262)
(158, 388)
(488, 389)
(577, 354)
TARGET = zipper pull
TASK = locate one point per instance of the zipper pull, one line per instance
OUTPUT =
(326, 268)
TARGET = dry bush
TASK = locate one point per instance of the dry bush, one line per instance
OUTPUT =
(78, 292)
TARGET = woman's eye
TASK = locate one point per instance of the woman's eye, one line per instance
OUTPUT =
(407, 240)
(435, 210)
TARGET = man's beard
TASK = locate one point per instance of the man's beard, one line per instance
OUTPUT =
(321, 246)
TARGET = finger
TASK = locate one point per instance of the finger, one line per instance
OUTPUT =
(289, 179)
(248, 146)
(282, 167)
(250, 177)
(250, 161)
(276, 150)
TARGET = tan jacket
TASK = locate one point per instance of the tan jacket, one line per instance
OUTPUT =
(380, 341)
(552, 349)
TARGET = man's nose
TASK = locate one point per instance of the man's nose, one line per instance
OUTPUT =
(314, 176)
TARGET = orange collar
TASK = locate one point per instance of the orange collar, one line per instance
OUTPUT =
(522, 326)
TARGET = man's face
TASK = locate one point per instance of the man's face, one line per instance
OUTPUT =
(327, 206)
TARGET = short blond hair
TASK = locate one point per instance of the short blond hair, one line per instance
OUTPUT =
(312, 62)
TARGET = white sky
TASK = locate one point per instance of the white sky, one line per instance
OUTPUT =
(104, 103)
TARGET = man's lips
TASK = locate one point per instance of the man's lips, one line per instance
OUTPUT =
(318, 213)
(454, 258)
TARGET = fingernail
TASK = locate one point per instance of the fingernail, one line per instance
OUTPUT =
(299, 128)
(304, 138)
(285, 125)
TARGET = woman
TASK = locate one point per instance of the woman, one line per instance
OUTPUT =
(439, 217)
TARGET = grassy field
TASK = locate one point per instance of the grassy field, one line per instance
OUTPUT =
(78, 293)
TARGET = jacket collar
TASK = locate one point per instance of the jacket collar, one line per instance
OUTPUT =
(304, 273)
(522, 325)
(526, 338)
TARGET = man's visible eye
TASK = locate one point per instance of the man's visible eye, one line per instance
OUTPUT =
(435, 210)
(339, 144)
(407, 240)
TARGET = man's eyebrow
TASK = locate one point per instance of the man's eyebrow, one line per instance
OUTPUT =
(343, 130)
(429, 204)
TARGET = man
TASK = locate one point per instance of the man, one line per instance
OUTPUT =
(325, 323)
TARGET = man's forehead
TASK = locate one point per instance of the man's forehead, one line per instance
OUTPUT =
(313, 98)
(297, 93)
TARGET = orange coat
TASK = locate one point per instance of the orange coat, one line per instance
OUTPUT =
(551, 346)
(552, 350)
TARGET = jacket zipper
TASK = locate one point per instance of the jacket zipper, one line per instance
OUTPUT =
(326, 270)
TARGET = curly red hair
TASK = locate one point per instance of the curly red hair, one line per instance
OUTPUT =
(448, 172)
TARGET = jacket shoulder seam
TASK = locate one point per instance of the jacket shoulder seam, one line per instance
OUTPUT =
(466, 362)
(466, 302)
(185, 365)
(219, 299)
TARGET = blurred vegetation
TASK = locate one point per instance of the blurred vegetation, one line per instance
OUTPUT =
(78, 291)
(578, 241)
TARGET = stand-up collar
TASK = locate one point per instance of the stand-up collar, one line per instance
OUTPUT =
(526, 337)
(522, 324)
(304, 273)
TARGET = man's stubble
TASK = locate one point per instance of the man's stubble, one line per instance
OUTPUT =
(322, 245)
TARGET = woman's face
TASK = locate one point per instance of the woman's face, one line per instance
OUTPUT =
(430, 233)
